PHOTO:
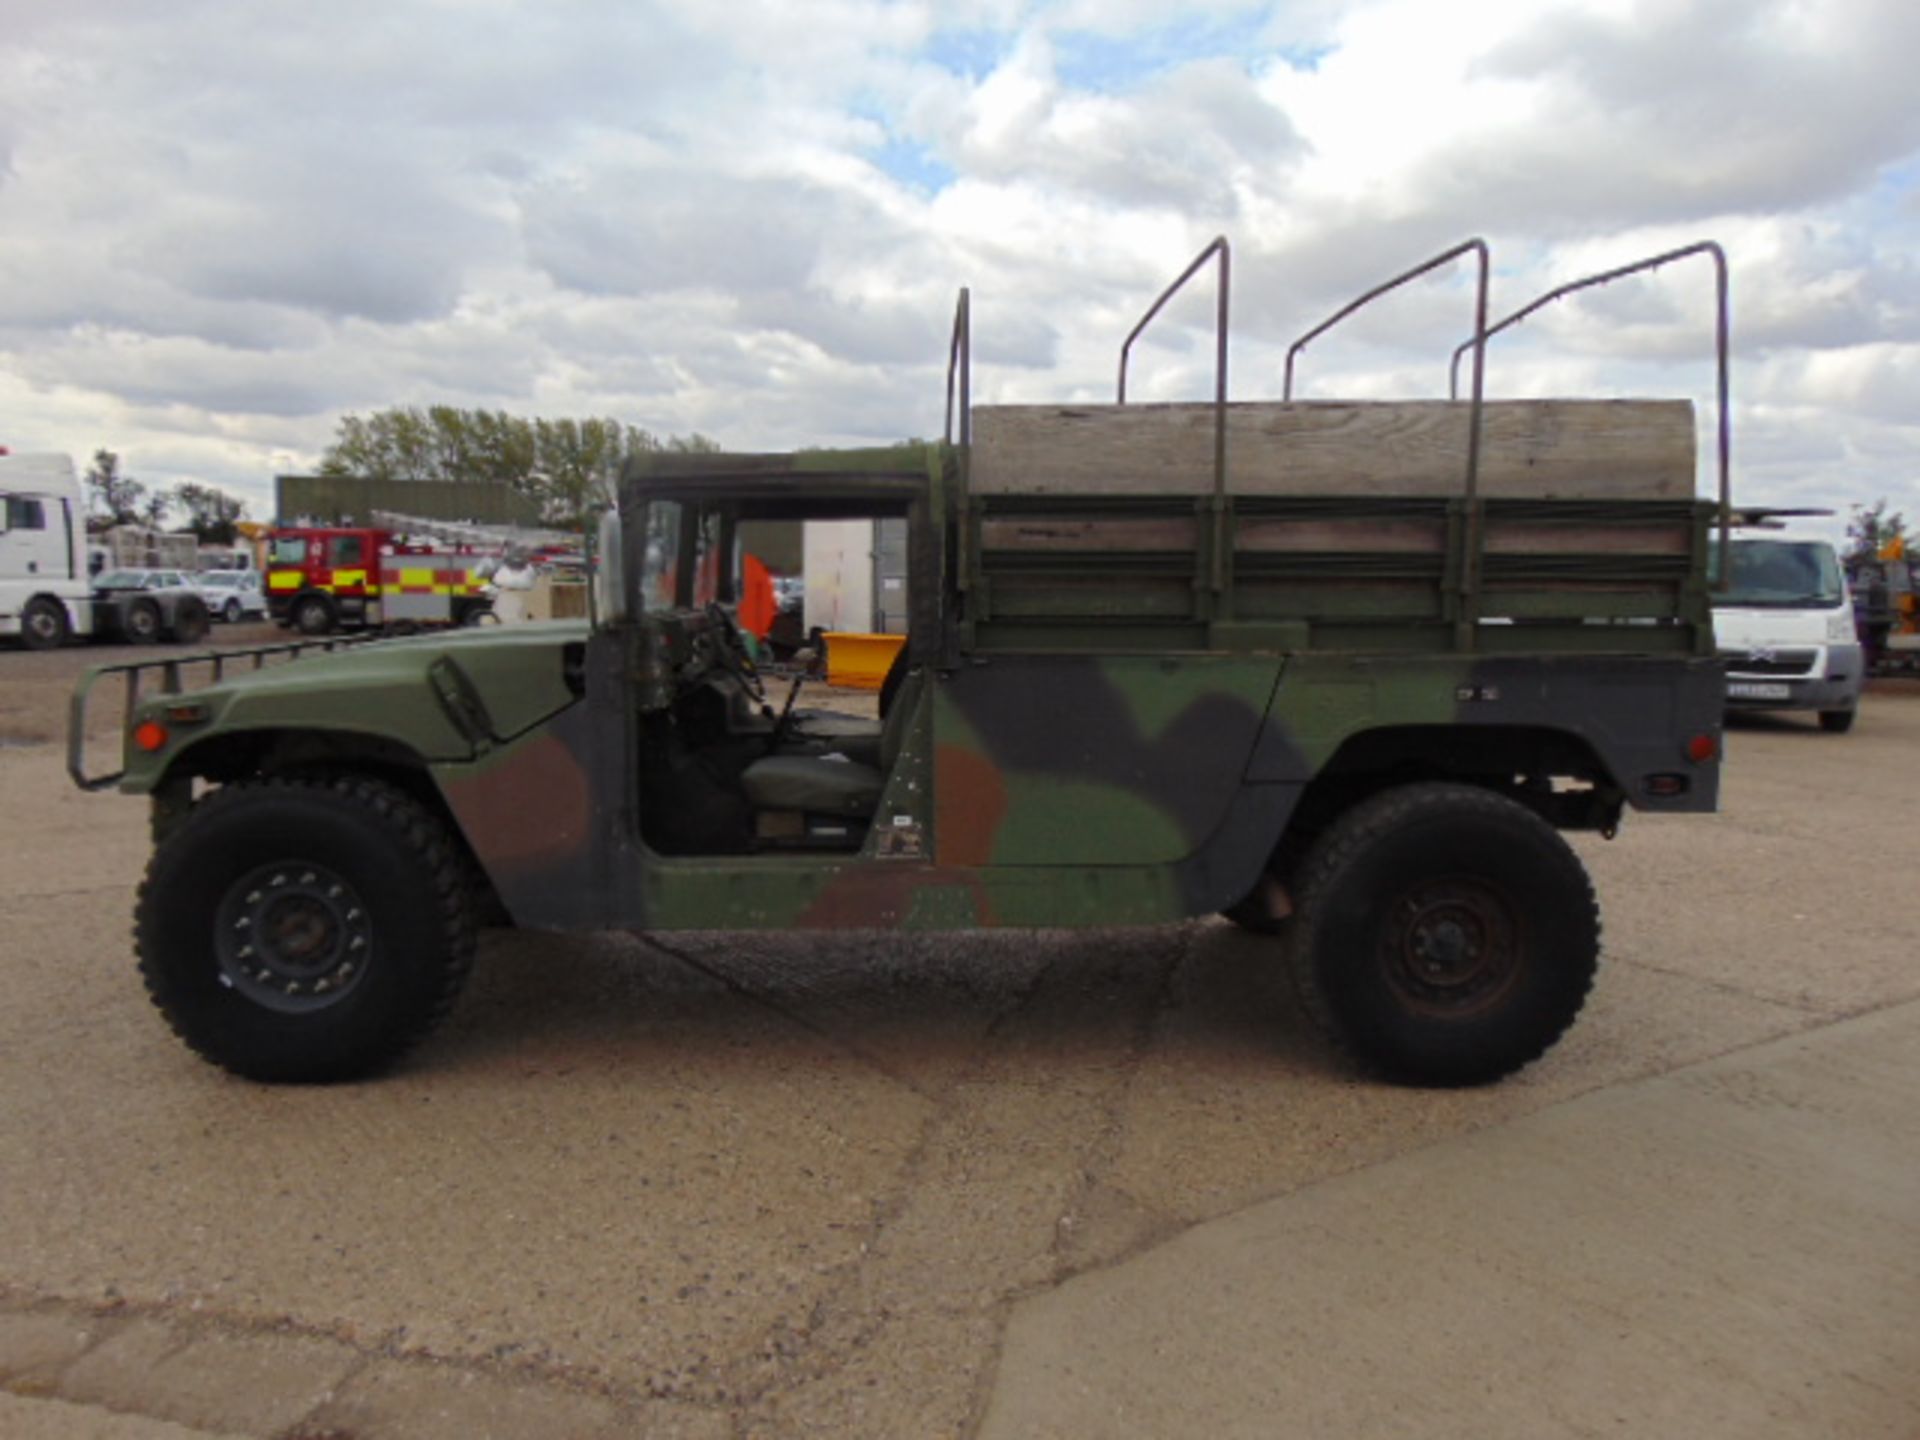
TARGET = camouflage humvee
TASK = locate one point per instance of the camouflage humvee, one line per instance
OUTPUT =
(1340, 672)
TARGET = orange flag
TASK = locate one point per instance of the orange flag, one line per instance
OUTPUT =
(757, 607)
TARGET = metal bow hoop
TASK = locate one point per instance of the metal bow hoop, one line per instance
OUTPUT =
(1218, 247)
(1722, 328)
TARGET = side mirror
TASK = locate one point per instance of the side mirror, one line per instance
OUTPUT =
(609, 574)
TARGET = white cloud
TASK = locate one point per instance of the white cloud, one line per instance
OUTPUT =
(221, 226)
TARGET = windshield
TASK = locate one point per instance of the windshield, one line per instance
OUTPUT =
(658, 569)
(660, 556)
(1779, 574)
(122, 580)
(289, 550)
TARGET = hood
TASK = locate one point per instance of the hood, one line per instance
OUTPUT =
(394, 690)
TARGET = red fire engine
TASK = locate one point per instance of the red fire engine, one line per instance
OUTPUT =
(323, 577)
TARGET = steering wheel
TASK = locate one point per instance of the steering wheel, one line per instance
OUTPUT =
(733, 650)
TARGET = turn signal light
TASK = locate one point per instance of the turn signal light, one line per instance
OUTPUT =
(150, 735)
(1702, 748)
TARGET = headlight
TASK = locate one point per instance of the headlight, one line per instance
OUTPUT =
(1840, 628)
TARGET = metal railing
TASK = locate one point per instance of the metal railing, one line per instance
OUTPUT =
(1468, 581)
(1722, 327)
(960, 365)
(1217, 247)
(1478, 248)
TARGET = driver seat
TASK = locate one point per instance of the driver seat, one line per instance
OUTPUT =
(832, 785)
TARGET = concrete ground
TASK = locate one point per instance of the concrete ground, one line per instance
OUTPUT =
(1064, 1184)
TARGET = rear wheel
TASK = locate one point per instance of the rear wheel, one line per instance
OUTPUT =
(305, 930)
(1836, 722)
(142, 622)
(190, 623)
(1447, 934)
(43, 624)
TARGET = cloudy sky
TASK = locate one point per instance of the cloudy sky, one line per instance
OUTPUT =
(224, 224)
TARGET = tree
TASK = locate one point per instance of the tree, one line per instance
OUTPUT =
(1869, 529)
(210, 512)
(118, 499)
(562, 466)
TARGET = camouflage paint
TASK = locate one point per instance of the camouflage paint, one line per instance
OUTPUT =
(381, 690)
(1218, 775)
(1051, 760)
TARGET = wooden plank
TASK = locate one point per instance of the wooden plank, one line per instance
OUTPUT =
(1542, 449)
(1064, 533)
(1361, 534)
(1539, 537)
(1321, 535)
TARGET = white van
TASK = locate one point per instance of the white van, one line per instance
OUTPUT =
(44, 585)
(1784, 625)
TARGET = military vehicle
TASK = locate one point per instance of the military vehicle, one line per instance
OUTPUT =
(1341, 671)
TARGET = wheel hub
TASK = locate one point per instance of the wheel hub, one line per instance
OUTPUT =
(1452, 945)
(293, 936)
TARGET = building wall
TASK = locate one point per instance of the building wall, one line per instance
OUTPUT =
(839, 571)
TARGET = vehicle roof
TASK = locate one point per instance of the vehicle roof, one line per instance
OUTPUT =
(38, 473)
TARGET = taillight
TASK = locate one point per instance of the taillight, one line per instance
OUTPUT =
(150, 735)
(1703, 747)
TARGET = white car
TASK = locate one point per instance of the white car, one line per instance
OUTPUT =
(231, 595)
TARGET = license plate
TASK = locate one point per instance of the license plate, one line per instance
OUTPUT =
(1755, 690)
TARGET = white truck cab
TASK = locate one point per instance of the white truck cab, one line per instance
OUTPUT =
(44, 590)
(1784, 625)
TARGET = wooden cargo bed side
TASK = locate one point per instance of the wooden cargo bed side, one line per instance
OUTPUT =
(1530, 449)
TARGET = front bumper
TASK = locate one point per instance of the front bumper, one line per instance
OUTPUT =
(1830, 681)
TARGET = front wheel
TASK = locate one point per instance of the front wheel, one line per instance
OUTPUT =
(1836, 722)
(313, 615)
(305, 929)
(1446, 933)
(43, 624)
(230, 612)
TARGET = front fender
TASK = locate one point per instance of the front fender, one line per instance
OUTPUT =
(392, 694)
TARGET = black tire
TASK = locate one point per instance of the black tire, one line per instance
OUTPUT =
(331, 869)
(312, 615)
(1836, 722)
(190, 621)
(1446, 934)
(230, 612)
(44, 625)
(141, 622)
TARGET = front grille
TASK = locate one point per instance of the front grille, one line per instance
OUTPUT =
(1769, 662)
